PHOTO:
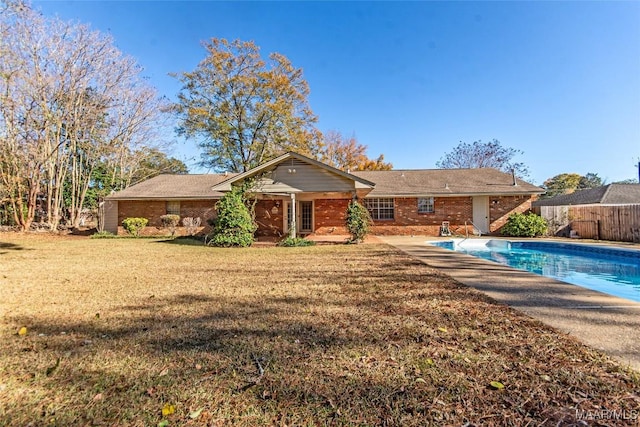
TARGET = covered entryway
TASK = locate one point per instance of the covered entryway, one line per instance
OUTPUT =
(304, 217)
(302, 184)
(481, 213)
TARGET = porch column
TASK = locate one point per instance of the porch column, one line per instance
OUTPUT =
(293, 226)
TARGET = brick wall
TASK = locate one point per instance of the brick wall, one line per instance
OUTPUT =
(500, 207)
(330, 216)
(270, 217)
(204, 209)
(407, 220)
(456, 210)
(153, 210)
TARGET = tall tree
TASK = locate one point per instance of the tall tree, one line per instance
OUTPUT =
(155, 162)
(348, 154)
(563, 183)
(69, 100)
(484, 155)
(150, 163)
(566, 183)
(243, 109)
(590, 180)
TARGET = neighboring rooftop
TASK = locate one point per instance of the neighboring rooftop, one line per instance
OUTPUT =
(169, 186)
(612, 194)
(434, 182)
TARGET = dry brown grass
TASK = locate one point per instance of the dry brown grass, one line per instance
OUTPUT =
(343, 335)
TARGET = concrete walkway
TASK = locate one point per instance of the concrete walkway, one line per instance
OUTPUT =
(601, 321)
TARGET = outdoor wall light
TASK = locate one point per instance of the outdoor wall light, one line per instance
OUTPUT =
(292, 171)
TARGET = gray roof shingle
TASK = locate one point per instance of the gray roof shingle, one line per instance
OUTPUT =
(612, 194)
(398, 183)
(169, 186)
(443, 182)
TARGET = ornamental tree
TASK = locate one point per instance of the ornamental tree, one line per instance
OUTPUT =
(234, 225)
(483, 155)
(358, 221)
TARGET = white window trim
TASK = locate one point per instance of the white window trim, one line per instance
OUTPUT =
(375, 210)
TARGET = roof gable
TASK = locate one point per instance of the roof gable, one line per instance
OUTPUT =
(293, 172)
(620, 194)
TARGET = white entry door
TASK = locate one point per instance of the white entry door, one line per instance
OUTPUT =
(304, 216)
(481, 213)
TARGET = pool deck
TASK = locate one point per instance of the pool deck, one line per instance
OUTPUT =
(604, 322)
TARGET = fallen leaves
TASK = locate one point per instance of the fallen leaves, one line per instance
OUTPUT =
(195, 414)
(168, 409)
(496, 385)
(381, 339)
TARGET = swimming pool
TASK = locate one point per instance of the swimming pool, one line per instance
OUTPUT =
(614, 271)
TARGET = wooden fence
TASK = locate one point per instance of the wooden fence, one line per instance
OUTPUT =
(618, 223)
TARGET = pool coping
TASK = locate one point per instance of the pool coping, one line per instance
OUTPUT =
(607, 323)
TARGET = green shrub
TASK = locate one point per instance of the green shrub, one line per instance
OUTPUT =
(234, 225)
(295, 241)
(358, 221)
(170, 221)
(103, 235)
(521, 225)
(134, 226)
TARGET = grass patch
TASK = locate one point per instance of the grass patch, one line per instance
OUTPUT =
(103, 235)
(118, 330)
(290, 242)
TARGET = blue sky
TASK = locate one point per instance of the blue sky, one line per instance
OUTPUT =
(557, 80)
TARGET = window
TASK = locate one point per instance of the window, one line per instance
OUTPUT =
(426, 205)
(380, 208)
(173, 207)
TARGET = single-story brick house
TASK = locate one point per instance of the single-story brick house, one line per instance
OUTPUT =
(316, 195)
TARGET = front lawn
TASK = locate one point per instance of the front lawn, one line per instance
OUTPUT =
(147, 333)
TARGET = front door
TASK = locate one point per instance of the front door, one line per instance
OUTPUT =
(304, 217)
(481, 213)
(305, 220)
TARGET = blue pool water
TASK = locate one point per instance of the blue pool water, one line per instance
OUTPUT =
(610, 270)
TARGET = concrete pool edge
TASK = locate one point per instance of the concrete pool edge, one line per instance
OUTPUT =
(585, 248)
(602, 321)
